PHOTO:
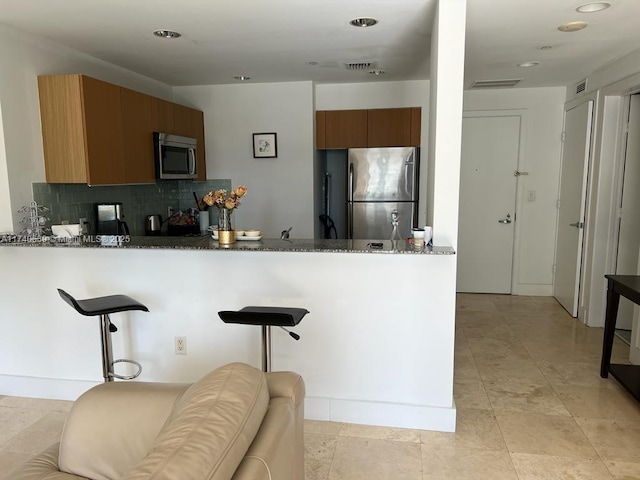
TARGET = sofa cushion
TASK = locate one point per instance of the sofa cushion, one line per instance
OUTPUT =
(210, 428)
(111, 427)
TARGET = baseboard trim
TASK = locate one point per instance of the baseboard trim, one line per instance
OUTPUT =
(38, 387)
(381, 414)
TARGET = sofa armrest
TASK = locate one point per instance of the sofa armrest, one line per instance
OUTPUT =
(112, 427)
(286, 384)
(43, 466)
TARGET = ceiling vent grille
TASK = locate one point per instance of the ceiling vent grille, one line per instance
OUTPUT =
(359, 65)
(581, 87)
(495, 83)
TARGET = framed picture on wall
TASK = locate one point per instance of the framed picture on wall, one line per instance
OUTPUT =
(264, 145)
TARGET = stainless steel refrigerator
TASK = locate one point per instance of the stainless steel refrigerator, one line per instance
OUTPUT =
(382, 181)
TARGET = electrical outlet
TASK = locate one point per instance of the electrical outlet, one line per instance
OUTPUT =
(181, 345)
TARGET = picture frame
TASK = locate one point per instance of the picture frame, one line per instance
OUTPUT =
(265, 145)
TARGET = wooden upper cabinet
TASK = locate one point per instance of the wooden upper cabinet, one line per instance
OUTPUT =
(81, 130)
(162, 115)
(386, 127)
(62, 118)
(103, 132)
(189, 122)
(98, 133)
(389, 127)
(137, 136)
(345, 128)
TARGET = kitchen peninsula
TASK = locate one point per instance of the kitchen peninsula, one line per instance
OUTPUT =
(376, 347)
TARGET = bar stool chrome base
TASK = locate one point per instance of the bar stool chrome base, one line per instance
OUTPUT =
(103, 306)
(266, 317)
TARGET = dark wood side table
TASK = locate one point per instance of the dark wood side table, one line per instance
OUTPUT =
(628, 375)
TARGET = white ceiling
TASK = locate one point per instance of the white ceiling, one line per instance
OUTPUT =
(275, 41)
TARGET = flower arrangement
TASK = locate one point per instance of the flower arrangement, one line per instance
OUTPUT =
(220, 199)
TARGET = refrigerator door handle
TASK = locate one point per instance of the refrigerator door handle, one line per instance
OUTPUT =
(408, 178)
(350, 202)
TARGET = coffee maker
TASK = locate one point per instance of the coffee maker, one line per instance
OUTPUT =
(110, 219)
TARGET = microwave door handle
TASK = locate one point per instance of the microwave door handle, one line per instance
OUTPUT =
(192, 161)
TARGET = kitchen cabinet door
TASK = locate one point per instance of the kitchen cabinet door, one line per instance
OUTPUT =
(345, 128)
(137, 137)
(62, 118)
(389, 127)
(162, 115)
(189, 122)
(103, 132)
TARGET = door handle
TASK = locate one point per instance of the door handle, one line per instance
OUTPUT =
(506, 220)
(577, 225)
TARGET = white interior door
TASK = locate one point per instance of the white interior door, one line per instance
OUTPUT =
(490, 151)
(571, 212)
(629, 226)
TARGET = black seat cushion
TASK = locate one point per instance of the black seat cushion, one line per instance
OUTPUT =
(102, 305)
(273, 316)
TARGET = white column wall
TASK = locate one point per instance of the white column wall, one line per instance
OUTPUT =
(445, 127)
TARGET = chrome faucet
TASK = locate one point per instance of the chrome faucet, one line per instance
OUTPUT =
(285, 233)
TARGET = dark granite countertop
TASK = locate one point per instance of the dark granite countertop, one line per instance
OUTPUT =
(208, 243)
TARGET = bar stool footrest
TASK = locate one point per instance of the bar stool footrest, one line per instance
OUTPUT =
(125, 377)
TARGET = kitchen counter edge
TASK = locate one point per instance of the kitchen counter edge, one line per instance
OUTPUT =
(208, 243)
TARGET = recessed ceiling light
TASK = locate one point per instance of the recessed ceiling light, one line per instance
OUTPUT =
(377, 72)
(363, 22)
(572, 26)
(167, 34)
(312, 63)
(528, 64)
(593, 7)
(546, 47)
(242, 78)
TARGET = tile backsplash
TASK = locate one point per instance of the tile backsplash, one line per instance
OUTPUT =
(69, 202)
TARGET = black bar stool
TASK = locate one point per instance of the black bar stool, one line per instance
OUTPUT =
(266, 317)
(104, 306)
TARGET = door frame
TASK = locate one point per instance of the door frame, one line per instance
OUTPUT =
(601, 245)
(521, 164)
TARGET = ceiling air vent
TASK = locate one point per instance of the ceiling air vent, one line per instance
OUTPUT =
(359, 65)
(495, 83)
(581, 87)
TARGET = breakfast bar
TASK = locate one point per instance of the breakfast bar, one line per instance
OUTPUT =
(376, 346)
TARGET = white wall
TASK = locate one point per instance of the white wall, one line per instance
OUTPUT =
(280, 191)
(22, 58)
(355, 96)
(541, 136)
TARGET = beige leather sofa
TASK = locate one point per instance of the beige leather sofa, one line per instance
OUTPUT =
(235, 423)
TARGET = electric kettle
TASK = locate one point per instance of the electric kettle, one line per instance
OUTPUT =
(152, 224)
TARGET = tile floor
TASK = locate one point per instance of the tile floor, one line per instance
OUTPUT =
(530, 405)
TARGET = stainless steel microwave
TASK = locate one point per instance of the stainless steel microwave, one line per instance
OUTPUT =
(176, 156)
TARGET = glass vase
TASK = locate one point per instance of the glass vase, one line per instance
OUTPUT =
(226, 235)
